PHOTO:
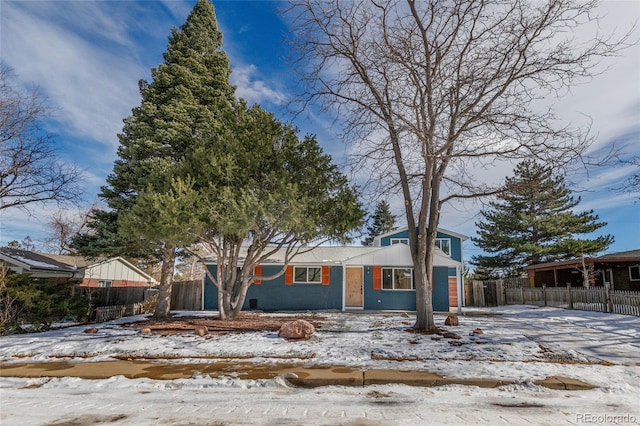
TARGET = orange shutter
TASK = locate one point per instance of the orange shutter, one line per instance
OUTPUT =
(325, 275)
(257, 272)
(288, 275)
(377, 278)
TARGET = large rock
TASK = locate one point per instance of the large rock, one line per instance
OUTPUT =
(451, 320)
(201, 330)
(296, 330)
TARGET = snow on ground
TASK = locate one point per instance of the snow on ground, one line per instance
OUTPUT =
(519, 343)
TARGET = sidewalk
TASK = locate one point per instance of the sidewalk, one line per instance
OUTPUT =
(295, 374)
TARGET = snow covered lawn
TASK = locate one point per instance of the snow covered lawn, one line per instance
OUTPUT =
(517, 343)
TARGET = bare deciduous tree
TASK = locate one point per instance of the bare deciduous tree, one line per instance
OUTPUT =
(428, 90)
(29, 170)
(63, 226)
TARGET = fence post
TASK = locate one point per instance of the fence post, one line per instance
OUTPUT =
(569, 296)
(607, 294)
(522, 295)
(544, 294)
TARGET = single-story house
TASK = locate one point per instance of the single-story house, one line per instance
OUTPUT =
(620, 270)
(379, 277)
(114, 272)
(38, 265)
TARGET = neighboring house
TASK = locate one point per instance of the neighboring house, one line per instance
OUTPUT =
(38, 265)
(115, 272)
(339, 277)
(620, 270)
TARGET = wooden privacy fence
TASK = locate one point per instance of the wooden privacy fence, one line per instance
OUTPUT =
(113, 296)
(491, 293)
(186, 295)
(597, 299)
(108, 313)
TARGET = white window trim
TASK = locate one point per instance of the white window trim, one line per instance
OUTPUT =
(307, 274)
(630, 276)
(103, 283)
(413, 284)
(440, 245)
(393, 241)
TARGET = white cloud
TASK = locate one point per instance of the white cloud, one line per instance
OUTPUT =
(90, 89)
(611, 99)
(254, 90)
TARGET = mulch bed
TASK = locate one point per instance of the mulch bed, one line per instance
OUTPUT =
(246, 322)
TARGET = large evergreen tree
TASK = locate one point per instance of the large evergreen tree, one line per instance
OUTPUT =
(254, 186)
(181, 107)
(381, 222)
(533, 221)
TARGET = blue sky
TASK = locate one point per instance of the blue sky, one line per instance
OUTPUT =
(86, 57)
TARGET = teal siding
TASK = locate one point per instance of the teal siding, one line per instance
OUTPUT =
(275, 295)
(386, 241)
(456, 243)
(405, 299)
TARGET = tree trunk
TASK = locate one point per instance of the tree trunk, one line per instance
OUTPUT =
(224, 303)
(423, 264)
(163, 305)
(424, 303)
(230, 307)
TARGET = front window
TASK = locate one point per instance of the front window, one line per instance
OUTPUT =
(444, 244)
(399, 241)
(104, 283)
(397, 279)
(634, 273)
(307, 274)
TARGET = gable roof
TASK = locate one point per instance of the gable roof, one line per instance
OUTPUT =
(315, 255)
(628, 256)
(377, 239)
(30, 261)
(47, 264)
(622, 256)
(394, 255)
(124, 262)
(77, 261)
(398, 255)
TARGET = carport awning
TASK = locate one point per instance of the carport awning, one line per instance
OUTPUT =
(398, 255)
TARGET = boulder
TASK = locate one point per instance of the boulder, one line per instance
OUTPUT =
(201, 330)
(451, 320)
(296, 330)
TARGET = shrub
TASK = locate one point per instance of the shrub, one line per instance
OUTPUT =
(33, 304)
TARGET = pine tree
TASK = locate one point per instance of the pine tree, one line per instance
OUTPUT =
(253, 186)
(183, 105)
(381, 222)
(533, 221)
